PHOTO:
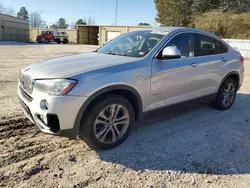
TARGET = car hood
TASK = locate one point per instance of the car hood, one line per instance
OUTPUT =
(66, 66)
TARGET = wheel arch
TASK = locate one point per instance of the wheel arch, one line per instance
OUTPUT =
(128, 92)
(235, 75)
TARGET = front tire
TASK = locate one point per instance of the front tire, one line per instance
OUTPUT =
(65, 41)
(107, 123)
(58, 41)
(46, 41)
(226, 95)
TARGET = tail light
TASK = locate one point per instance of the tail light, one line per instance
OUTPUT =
(242, 59)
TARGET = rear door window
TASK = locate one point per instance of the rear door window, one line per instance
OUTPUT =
(206, 45)
(221, 48)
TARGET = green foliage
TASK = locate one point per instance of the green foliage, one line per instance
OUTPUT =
(225, 25)
(23, 13)
(62, 24)
(81, 22)
(173, 13)
(144, 24)
(225, 18)
(181, 12)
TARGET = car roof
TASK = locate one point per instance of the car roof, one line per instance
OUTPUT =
(166, 28)
(179, 29)
(170, 29)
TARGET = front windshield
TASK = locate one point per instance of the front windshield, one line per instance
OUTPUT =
(133, 44)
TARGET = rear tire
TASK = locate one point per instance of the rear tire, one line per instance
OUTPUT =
(226, 95)
(98, 122)
(46, 41)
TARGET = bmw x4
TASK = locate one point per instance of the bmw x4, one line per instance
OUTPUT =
(99, 95)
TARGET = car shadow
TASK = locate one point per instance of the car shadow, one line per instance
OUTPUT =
(191, 137)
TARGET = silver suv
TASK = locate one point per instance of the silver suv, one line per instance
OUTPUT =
(98, 96)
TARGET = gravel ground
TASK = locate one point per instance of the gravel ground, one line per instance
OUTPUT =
(191, 145)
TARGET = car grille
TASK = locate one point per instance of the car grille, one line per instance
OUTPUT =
(26, 84)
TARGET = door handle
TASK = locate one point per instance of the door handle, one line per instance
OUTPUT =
(223, 59)
(194, 65)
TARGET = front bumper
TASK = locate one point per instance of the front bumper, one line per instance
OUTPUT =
(60, 117)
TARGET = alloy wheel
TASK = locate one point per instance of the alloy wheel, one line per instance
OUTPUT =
(228, 94)
(111, 123)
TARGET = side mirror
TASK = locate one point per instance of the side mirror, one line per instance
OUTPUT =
(171, 52)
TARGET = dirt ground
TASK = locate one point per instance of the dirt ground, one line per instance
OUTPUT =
(189, 146)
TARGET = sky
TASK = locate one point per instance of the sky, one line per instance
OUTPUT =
(130, 12)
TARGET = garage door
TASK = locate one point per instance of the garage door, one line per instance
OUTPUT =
(110, 35)
(88, 35)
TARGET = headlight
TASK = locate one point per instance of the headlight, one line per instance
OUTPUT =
(55, 86)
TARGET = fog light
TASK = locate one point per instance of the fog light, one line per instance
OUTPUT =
(44, 105)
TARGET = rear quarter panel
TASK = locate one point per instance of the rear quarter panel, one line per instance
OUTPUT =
(233, 65)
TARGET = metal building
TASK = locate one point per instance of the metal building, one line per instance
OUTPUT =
(13, 29)
(98, 35)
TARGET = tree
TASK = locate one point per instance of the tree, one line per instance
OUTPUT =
(54, 26)
(224, 24)
(7, 10)
(81, 22)
(173, 13)
(72, 25)
(23, 13)
(36, 20)
(237, 6)
(144, 24)
(182, 12)
(1, 8)
(89, 21)
(10, 11)
(62, 24)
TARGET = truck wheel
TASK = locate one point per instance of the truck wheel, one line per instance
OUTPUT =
(108, 123)
(58, 41)
(226, 95)
(46, 41)
(65, 41)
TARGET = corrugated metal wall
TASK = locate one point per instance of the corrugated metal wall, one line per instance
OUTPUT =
(13, 29)
(72, 33)
(241, 45)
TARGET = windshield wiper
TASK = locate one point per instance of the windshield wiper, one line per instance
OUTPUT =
(116, 53)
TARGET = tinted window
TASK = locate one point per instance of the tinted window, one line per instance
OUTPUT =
(221, 48)
(205, 45)
(185, 43)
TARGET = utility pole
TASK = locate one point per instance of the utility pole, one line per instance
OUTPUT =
(116, 12)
